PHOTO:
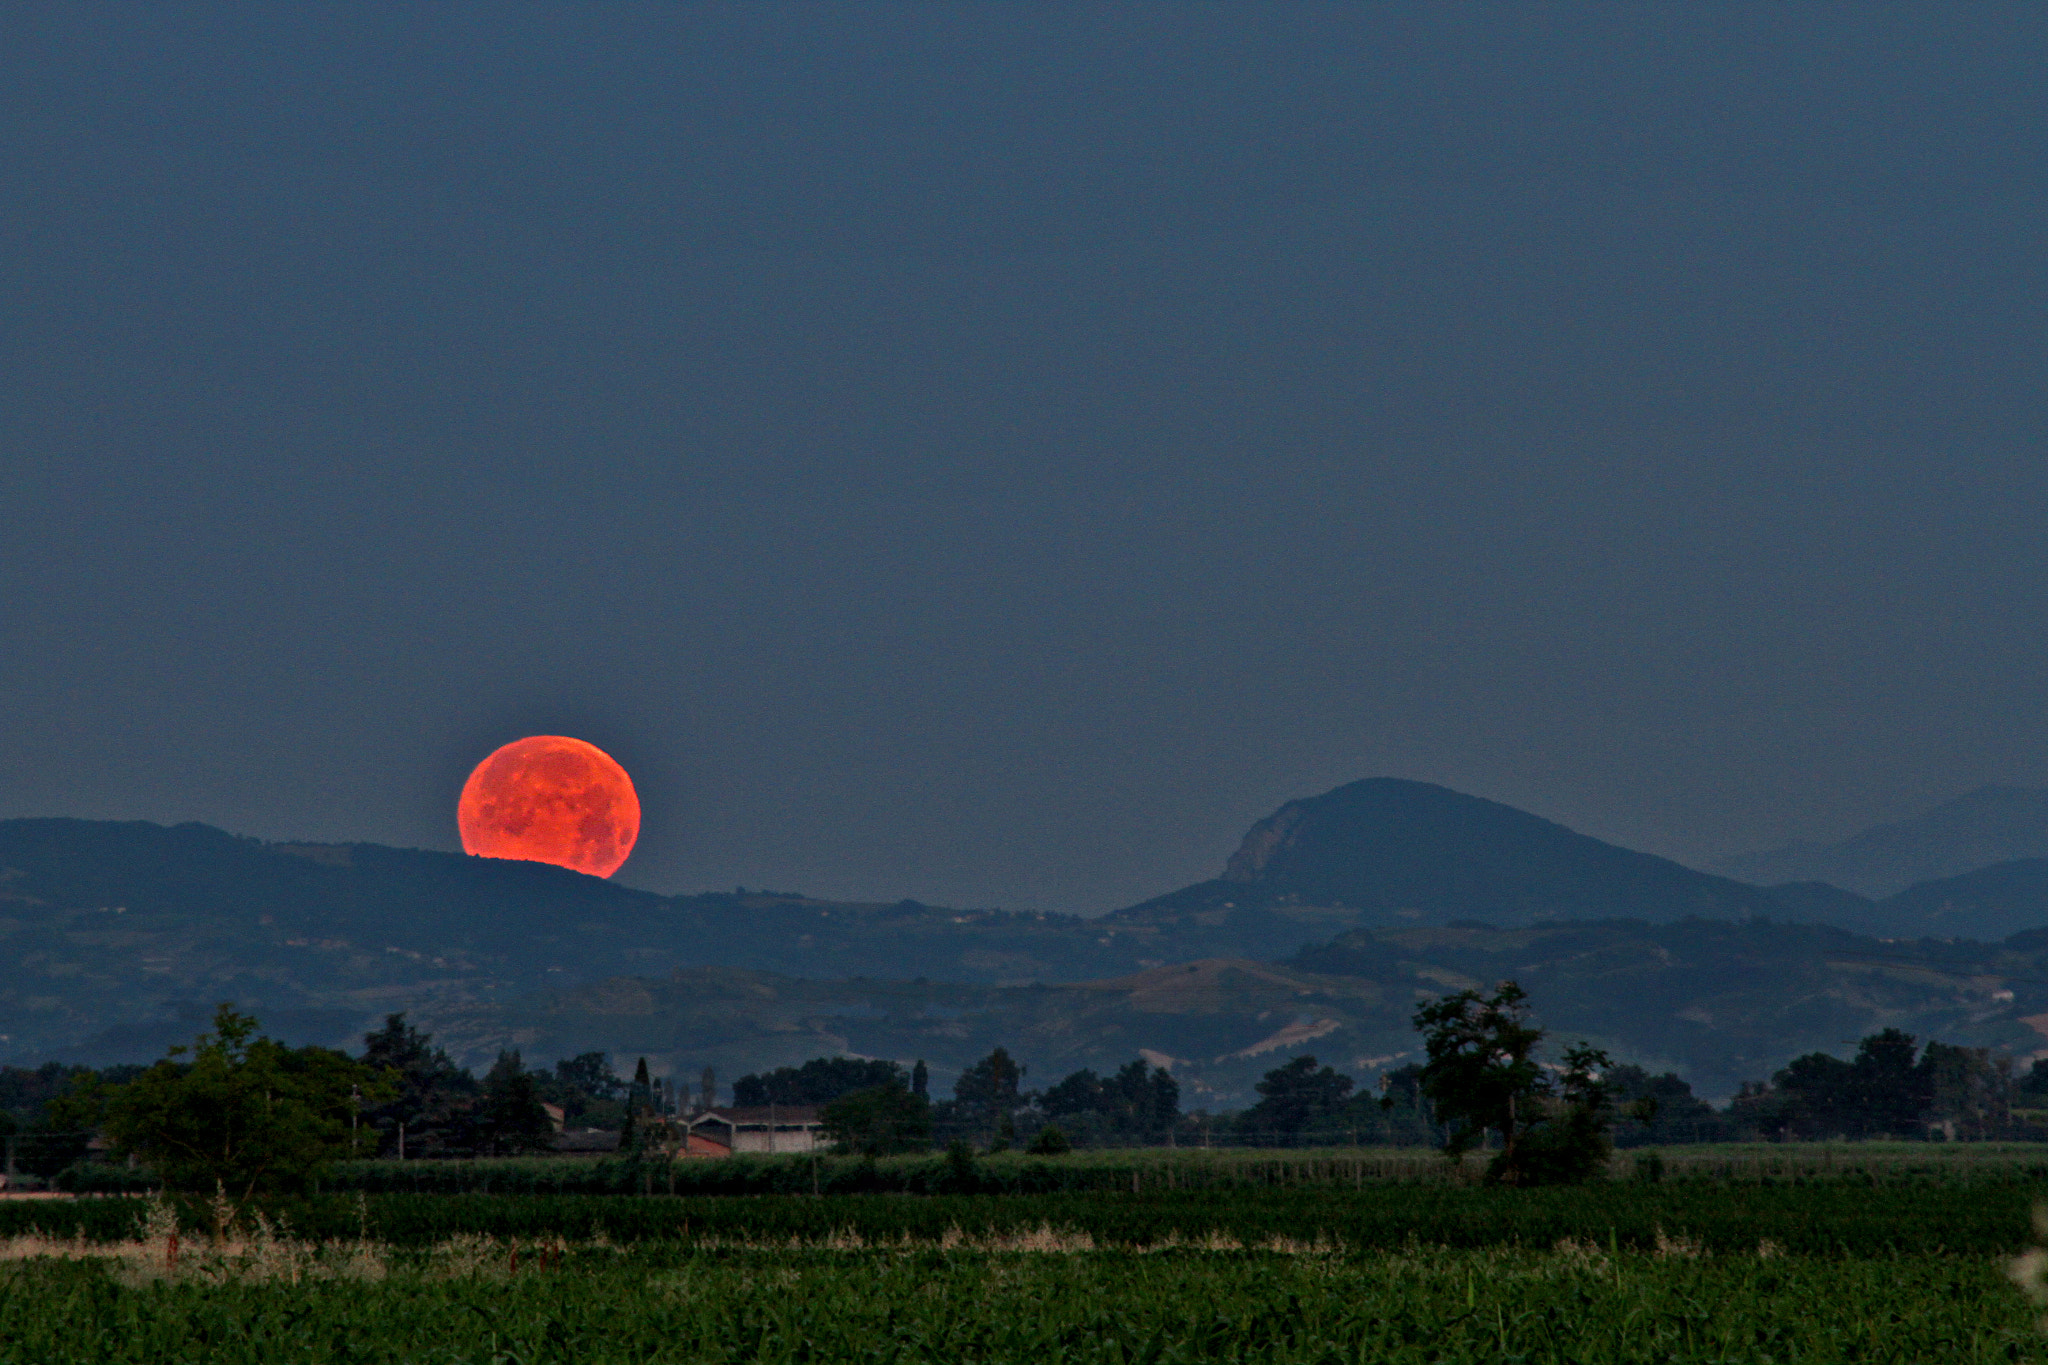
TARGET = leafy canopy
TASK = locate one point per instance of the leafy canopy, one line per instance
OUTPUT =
(242, 1113)
(1138, 1100)
(1294, 1096)
(513, 1119)
(432, 1099)
(1482, 1072)
(818, 1081)
(1482, 1076)
(879, 1121)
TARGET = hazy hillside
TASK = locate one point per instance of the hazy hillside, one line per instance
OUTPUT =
(117, 939)
(1222, 1022)
(114, 936)
(1988, 904)
(1389, 852)
(1988, 825)
(1822, 903)
(1720, 1002)
(1992, 902)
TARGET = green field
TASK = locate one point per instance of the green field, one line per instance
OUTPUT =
(1841, 1219)
(1141, 1169)
(1878, 1254)
(1026, 1303)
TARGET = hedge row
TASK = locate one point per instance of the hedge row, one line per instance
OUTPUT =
(1808, 1219)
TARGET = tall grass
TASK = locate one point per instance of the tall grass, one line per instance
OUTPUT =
(1139, 1170)
(1047, 1302)
(1829, 1219)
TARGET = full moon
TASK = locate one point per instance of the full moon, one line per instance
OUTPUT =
(551, 799)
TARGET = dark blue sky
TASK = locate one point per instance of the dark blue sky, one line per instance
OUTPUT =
(993, 453)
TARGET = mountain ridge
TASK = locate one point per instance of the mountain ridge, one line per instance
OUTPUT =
(1987, 825)
(1720, 1001)
(1390, 851)
(117, 938)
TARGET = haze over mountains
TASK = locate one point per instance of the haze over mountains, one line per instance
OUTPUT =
(1720, 1001)
(1979, 828)
(1333, 917)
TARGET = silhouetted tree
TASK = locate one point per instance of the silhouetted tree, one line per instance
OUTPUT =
(818, 1081)
(587, 1089)
(1294, 1096)
(986, 1095)
(1884, 1090)
(1889, 1090)
(1482, 1073)
(1570, 1137)
(512, 1119)
(434, 1097)
(1050, 1142)
(879, 1120)
(240, 1113)
(1969, 1092)
(1405, 1108)
(1661, 1109)
(1817, 1096)
(2032, 1088)
(589, 1074)
(48, 1113)
(1138, 1102)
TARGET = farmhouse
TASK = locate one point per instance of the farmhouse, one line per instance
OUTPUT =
(767, 1128)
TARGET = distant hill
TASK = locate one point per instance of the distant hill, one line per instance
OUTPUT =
(1992, 902)
(1386, 851)
(1820, 903)
(117, 939)
(1721, 1002)
(1988, 905)
(1986, 826)
(114, 937)
(1221, 1023)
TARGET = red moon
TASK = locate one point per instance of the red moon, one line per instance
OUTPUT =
(551, 799)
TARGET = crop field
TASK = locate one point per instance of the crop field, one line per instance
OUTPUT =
(1868, 1255)
(1142, 1170)
(1838, 1220)
(1036, 1297)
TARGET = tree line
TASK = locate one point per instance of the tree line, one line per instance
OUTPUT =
(242, 1112)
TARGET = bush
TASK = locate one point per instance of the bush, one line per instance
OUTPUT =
(880, 1121)
(1049, 1142)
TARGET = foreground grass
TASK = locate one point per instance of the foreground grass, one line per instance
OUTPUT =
(1036, 1298)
